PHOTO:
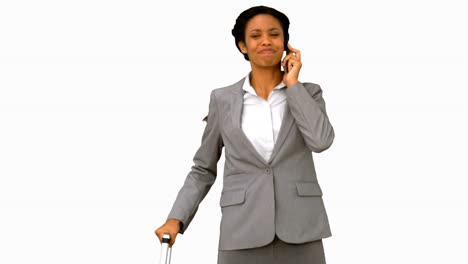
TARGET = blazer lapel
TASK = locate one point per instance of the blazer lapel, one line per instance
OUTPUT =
(286, 125)
(237, 103)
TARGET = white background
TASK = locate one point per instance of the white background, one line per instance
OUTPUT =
(101, 107)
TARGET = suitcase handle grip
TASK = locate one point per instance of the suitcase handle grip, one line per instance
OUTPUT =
(166, 238)
(166, 251)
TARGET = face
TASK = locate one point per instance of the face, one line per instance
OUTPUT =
(264, 41)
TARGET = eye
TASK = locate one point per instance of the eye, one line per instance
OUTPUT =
(275, 34)
(254, 36)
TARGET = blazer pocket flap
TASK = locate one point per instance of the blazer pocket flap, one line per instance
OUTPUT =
(232, 197)
(308, 189)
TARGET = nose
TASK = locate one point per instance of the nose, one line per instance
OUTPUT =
(266, 41)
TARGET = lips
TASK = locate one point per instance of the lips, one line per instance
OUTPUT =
(267, 51)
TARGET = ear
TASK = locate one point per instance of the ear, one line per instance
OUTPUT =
(242, 47)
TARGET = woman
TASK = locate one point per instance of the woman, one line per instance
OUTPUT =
(268, 123)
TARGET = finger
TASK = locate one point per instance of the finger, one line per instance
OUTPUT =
(291, 48)
(287, 57)
(285, 61)
(295, 51)
(159, 237)
(298, 54)
(294, 63)
(289, 64)
(284, 65)
(293, 60)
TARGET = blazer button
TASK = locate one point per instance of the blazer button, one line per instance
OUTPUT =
(268, 170)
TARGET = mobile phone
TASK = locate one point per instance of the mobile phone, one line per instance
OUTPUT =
(287, 52)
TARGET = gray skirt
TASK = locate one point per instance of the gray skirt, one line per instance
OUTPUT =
(276, 252)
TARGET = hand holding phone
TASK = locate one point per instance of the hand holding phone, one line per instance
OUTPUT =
(291, 64)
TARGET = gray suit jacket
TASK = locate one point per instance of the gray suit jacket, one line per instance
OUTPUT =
(261, 198)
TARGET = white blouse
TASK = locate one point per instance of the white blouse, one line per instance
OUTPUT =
(261, 119)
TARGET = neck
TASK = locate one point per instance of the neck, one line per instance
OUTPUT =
(263, 80)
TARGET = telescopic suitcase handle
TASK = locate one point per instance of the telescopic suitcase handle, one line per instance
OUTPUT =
(165, 250)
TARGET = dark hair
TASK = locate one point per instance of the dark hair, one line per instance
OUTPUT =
(241, 22)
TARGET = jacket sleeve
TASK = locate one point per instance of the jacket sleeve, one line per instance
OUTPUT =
(203, 173)
(307, 106)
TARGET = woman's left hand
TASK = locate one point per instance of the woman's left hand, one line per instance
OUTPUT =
(293, 63)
